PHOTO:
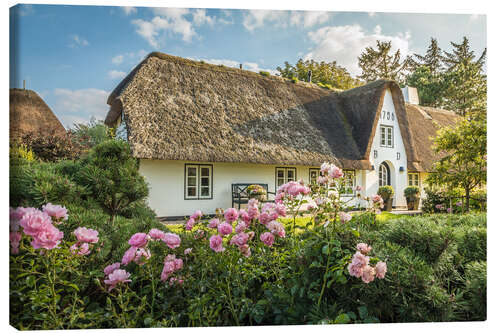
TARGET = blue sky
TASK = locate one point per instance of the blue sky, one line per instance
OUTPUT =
(73, 56)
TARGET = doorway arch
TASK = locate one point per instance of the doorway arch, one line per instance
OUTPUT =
(384, 174)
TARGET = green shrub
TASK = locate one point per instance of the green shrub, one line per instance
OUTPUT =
(264, 73)
(426, 237)
(112, 175)
(472, 243)
(475, 290)
(385, 192)
(51, 148)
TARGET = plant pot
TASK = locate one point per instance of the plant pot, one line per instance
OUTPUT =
(388, 205)
(412, 203)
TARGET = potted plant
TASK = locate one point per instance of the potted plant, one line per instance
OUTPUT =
(257, 191)
(412, 197)
(386, 193)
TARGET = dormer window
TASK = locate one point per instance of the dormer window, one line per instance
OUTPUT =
(386, 136)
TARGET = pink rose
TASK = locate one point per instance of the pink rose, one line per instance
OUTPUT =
(363, 248)
(168, 269)
(117, 277)
(344, 217)
(139, 239)
(231, 214)
(47, 238)
(245, 250)
(368, 274)
(239, 239)
(84, 235)
(156, 234)
(35, 221)
(216, 243)
(213, 223)
(380, 269)
(129, 255)
(225, 228)
(267, 238)
(196, 215)
(172, 240)
(141, 255)
(188, 251)
(15, 239)
(190, 224)
(240, 227)
(276, 228)
(55, 211)
(111, 268)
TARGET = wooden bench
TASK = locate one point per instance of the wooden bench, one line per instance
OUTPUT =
(240, 196)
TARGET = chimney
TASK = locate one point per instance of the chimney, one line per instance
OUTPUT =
(309, 75)
(411, 95)
(24, 84)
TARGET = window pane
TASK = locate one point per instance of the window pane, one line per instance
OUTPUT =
(205, 172)
(191, 171)
(291, 174)
(281, 173)
(281, 181)
(205, 181)
(191, 181)
(191, 191)
(205, 191)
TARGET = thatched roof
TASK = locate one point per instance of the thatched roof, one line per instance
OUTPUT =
(178, 109)
(29, 114)
(424, 123)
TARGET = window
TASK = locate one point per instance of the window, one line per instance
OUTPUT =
(198, 181)
(285, 175)
(384, 177)
(413, 179)
(313, 175)
(386, 136)
(349, 184)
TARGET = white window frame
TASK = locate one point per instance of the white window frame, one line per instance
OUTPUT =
(381, 181)
(285, 179)
(349, 183)
(386, 136)
(413, 179)
(311, 178)
(198, 181)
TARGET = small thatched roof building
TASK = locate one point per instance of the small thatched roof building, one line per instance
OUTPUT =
(178, 109)
(29, 114)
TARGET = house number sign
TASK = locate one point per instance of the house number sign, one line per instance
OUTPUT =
(387, 115)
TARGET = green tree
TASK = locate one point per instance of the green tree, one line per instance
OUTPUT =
(381, 64)
(430, 87)
(112, 174)
(432, 59)
(326, 73)
(464, 163)
(91, 133)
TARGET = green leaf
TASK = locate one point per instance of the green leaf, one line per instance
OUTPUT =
(342, 318)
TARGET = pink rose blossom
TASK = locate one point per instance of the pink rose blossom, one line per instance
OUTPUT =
(358, 262)
(168, 269)
(225, 228)
(190, 224)
(141, 255)
(55, 211)
(15, 239)
(276, 228)
(267, 238)
(139, 239)
(344, 217)
(245, 250)
(335, 172)
(156, 234)
(129, 255)
(34, 222)
(176, 280)
(188, 251)
(81, 249)
(377, 198)
(363, 248)
(111, 268)
(380, 269)
(240, 227)
(172, 240)
(216, 243)
(231, 214)
(117, 277)
(368, 274)
(48, 238)
(84, 235)
(196, 215)
(245, 217)
(239, 239)
(213, 223)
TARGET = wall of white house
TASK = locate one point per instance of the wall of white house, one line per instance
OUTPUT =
(166, 183)
(394, 156)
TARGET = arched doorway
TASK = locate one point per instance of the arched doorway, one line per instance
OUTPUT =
(384, 175)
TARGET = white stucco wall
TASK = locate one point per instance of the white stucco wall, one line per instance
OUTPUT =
(399, 179)
(166, 183)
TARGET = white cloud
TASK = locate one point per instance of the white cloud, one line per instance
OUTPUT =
(114, 74)
(117, 60)
(345, 43)
(77, 41)
(129, 10)
(253, 19)
(249, 66)
(200, 17)
(80, 105)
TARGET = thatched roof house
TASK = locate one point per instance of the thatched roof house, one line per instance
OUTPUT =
(29, 114)
(178, 109)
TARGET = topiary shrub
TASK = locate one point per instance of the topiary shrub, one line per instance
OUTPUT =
(112, 175)
(412, 192)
